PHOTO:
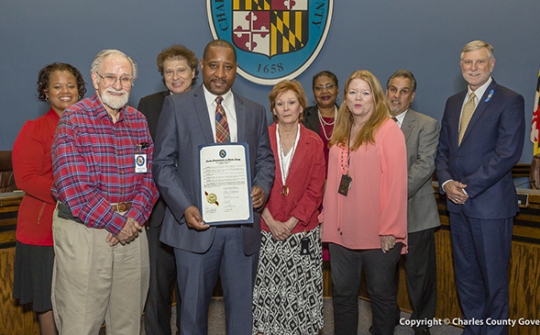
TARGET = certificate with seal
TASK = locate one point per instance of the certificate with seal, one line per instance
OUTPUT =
(225, 183)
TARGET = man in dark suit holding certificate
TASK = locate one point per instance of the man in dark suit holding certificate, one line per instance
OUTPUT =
(481, 140)
(211, 113)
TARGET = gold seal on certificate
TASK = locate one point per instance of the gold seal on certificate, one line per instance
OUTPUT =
(225, 184)
(211, 198)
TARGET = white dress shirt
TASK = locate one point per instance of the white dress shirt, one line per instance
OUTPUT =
(230, 112)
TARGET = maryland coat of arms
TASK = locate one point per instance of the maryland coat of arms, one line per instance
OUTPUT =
(274, 39)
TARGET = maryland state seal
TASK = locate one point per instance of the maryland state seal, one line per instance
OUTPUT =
(274, 39)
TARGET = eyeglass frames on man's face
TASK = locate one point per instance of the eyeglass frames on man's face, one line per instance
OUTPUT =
(110, 80)
(327, 86)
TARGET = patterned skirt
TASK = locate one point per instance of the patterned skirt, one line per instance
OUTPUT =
(287, 298)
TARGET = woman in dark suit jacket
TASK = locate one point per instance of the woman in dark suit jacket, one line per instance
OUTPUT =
(322, 117)
(290, 264)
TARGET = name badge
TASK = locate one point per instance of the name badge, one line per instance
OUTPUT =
(140, 163)
(344, 184)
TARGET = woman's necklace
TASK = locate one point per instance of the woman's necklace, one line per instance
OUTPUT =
(324, 123)
(285, 161)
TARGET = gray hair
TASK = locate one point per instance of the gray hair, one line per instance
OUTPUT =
(477, 44)
(96, 64)
(403, 74)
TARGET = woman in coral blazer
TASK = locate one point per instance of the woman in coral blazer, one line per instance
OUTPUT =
(365, 205)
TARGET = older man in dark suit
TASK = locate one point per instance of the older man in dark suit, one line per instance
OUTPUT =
(481, 140)
(202, 252)
(421, 136)
(178, 67)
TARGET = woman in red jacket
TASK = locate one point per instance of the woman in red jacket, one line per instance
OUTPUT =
(61, 85)
(287, 297)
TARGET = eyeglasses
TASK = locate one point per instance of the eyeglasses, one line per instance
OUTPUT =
(182, 72)
(327, 86)
(110, 80)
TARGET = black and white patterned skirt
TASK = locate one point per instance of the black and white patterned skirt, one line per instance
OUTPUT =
(287, 298)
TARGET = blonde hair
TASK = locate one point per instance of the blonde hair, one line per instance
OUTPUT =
(476, 45)
(344, 120)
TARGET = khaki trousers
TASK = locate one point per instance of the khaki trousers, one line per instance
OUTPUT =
(93, 282)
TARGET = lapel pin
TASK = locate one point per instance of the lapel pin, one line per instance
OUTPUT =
(489, 96)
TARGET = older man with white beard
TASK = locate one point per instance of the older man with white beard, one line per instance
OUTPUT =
(102, 167)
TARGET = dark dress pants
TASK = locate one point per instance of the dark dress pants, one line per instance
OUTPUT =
(481, 250)
(157, 312)
(379, 269)
(197, 277)
(421, 270)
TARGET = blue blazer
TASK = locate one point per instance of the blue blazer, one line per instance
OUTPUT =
(184, 124)
(491, 146)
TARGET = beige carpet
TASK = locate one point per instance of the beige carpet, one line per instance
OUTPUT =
(216, 321)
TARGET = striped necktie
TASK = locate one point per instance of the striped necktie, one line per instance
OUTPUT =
(222, 127)
(466, 115)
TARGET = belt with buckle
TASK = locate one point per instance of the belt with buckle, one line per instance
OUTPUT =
(65, 213)
(121, 206)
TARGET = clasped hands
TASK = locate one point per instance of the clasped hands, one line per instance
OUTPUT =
(455, 192)
(281, 230)
(193, 215)
(127, 234)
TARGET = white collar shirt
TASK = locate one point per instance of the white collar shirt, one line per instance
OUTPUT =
(401, 117)
(479, 93)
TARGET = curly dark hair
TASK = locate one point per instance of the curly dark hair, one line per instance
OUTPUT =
(45, 74)
(178, 51)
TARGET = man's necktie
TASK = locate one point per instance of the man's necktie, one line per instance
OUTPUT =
(222, 127)
(468, 111)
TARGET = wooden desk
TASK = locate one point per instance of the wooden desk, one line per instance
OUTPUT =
(14, 318)
(9, 207)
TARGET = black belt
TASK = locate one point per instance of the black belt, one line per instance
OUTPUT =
(65, 213)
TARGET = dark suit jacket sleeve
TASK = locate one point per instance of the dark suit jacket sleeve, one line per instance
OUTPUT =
(311, 118)
(441, 162)
(165, 158)
(508, 149)
(151, 106)
(422, 168)
(264, 162)
(142, 107)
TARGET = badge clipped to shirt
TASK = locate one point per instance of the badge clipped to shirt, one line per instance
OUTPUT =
(345, 184)
(140, 159)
